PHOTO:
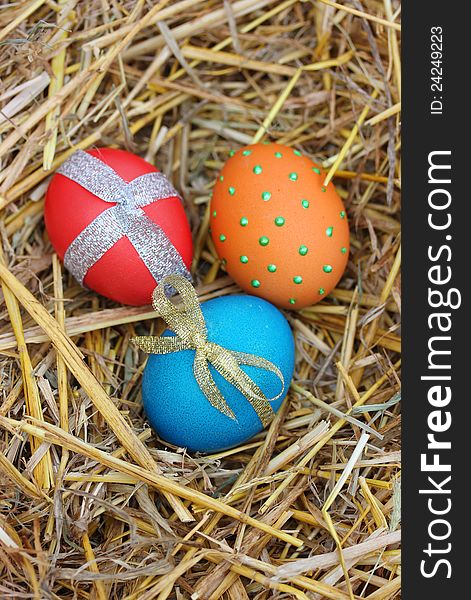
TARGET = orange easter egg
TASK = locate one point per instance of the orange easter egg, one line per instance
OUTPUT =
(281, 234)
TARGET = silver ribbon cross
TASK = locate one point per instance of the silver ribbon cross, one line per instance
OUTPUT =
(125, 219)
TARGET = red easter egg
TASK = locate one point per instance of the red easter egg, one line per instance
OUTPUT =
(80, 231)
(282, 234)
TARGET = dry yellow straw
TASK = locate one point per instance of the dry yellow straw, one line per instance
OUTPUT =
(374, 504)
(136, 28)
(57, 81)
(19, 479)
(72, 86)
(55, 435)
(349, 141)
(92, 565)
(276, 107)
(33, 7)
(73, 358)
(62, 390)
(234, 60)
(43, 469)
(386, 291)
(332, 431)
(333, 495)
(362, 14)
(124, 86)
(389, 112)
(395, 48)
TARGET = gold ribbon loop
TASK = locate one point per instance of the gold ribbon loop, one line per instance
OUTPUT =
(187, 321)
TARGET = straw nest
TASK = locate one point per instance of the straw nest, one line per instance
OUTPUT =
(92, 504)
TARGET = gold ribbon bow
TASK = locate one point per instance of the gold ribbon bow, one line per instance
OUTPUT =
(188, 323)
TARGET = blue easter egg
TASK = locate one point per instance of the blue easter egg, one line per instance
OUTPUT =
(175, 405)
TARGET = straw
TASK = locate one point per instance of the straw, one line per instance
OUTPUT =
(93, 503)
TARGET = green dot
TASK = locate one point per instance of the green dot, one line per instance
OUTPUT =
(231, 191)
(279, 221)
(222, 237)
(257, 169)
(244, 259)
(244, 221)
(278, 155)
(246, 152)
(327, 268)
(293, 176)
(214, 213)
(221, 177)
(271, 268)
(263, 241)
(342, 214)
(298, 279)
(343, 250)
(266, 143)
(224, 262)
(305, 203)
(231, 153)
(316, 170)
(255, 283)
(297, 152)
(321, 291)
(329, 231)
(323, 189)
(292, 300)
(266, 196)
(303, 250)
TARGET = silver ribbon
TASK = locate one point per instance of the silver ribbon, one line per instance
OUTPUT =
(125, 219)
